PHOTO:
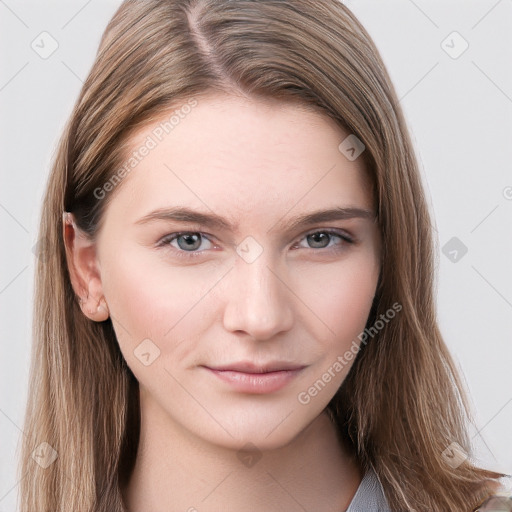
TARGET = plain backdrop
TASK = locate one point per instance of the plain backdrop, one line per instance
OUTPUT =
(451, 64)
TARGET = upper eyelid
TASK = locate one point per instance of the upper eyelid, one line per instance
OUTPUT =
(343, 233)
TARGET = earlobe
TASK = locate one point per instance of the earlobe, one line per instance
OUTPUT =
(83, 270)
(92, 308)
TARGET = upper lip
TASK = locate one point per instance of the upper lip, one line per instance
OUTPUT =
(250, 367)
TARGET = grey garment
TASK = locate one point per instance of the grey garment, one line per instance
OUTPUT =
(369, 496)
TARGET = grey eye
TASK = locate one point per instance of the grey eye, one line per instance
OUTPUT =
(319, 239)
(190, 241)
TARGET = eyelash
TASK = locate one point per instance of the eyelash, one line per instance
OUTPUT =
(166, 240)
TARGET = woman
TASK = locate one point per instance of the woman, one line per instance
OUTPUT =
(239, 311)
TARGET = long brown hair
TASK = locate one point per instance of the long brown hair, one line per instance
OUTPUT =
(402, 404)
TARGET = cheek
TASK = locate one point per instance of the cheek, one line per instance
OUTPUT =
(351, 300)
(149, 299)
(341, 297)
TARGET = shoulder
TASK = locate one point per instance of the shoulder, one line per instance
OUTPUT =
(500, 496)
(495, 503)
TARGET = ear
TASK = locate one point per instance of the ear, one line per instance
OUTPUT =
(84, 270)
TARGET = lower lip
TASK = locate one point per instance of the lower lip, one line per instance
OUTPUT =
(258, 383)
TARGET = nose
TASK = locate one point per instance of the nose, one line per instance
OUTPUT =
(258, 301)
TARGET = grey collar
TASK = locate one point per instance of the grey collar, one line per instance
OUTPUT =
(369, 496)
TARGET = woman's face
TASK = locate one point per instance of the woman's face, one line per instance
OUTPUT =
(245, 284)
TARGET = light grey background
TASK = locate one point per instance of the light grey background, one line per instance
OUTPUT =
(459, 111)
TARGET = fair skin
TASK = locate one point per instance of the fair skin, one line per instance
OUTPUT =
(302, 299)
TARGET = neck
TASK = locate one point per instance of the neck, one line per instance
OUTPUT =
(177, 471)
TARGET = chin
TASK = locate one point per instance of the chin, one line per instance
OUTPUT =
(269, 433)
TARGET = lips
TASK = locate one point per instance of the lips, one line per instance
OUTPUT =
(250, 367)
(248, 377)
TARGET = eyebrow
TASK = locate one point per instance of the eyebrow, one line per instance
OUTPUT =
(212, 220)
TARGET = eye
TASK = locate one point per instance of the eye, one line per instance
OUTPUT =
(322, 238)
(185, 243)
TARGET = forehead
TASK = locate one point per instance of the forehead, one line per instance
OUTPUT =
(231, 154)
